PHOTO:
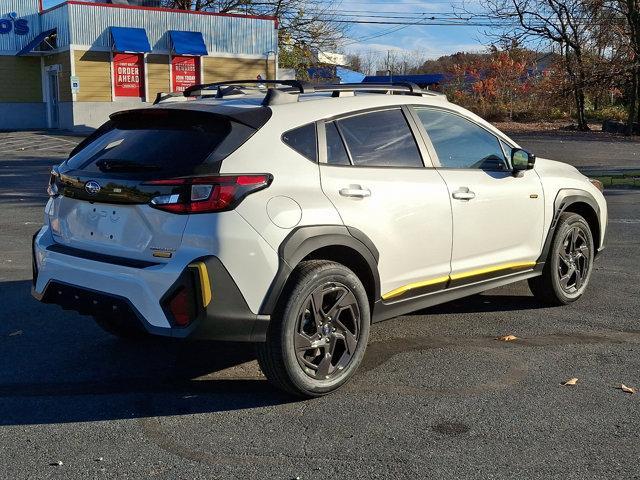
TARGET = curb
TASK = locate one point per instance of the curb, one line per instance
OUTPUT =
(616, 177)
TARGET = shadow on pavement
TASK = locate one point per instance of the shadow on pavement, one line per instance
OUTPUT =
(485, 303)
(58, 367)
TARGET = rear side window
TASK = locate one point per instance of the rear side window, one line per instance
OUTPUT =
(303, 140)
(380, 139)
(170, 142)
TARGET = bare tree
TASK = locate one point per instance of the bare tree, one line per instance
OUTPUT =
(307, 24)
(563, 23)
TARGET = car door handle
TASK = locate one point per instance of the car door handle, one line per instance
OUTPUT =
(355, 191)
(463, 193)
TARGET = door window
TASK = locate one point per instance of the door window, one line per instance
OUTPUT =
(461, 143)
(377, 139)
(336, 153)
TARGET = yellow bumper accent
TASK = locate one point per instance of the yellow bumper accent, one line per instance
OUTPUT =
(205, 285)
(456, 276)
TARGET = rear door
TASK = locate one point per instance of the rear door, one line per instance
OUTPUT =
(373, 171)
(497, 216)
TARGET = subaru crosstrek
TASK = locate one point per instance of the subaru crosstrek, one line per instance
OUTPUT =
(297, 215)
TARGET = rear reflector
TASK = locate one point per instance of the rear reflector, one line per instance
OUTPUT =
(207, 194)
(179, 306)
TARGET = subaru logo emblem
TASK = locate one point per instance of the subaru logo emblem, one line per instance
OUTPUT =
(92, 187)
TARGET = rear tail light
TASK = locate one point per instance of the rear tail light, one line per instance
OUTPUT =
(207, 194)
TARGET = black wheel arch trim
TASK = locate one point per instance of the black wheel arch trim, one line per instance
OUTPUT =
(303, 241)
(564, 199)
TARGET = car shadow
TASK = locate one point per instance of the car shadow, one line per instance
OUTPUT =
(57, 367)
(492, 301)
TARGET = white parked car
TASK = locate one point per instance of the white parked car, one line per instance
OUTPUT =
(297, 218)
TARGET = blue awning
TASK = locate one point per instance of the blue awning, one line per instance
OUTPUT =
(35, 43)
(130, 40)
(188, 43)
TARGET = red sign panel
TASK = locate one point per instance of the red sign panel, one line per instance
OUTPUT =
(185, 72)
(128, 75)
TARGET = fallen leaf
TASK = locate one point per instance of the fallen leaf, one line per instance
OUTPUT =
(571, 382)
(16, 333)
(626, 389)
(507, 338)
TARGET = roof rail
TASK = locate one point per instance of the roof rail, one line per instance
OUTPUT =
(301, 87)
(279, 87)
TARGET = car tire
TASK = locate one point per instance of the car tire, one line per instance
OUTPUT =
(568, 266)
(121, 329)
(319, 331)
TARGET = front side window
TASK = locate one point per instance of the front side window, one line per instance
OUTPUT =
(461, 143)
(380, 139)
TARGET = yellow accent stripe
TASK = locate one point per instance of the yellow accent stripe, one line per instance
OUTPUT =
(399, 291)
(481, 271)
(205, 286)
(456, 276)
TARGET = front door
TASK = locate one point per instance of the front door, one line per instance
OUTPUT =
(498, 217)
(375, 176)
(53, 102)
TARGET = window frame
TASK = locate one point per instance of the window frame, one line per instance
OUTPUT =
(434, 155)
(423, 151)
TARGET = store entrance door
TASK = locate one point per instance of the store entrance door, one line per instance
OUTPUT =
(53, 99)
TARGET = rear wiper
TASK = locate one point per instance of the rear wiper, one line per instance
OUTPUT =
(125, 166)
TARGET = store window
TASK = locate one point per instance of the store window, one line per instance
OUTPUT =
(128, 75)
(185, 72)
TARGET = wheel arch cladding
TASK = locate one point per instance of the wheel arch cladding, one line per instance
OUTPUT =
(345, 245)
(574, 201)
(589, 214)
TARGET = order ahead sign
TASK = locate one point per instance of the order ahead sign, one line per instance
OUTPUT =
(128, 75)
(11, 23)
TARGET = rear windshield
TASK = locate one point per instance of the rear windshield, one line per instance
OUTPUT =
(167, 142)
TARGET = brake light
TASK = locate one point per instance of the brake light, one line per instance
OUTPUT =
(207, 194)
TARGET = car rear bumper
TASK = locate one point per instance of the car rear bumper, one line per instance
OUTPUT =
(140, 293)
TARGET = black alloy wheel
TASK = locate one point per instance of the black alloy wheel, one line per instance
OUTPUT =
(319, 331)
(328, 331)
(574, 259)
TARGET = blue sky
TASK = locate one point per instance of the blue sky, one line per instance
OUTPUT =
(430, 41)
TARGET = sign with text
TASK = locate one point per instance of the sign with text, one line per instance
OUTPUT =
(12, 23)
(185, 72)
(128, 75)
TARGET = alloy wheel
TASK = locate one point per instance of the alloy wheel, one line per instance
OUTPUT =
(574, 260)
(327, 331)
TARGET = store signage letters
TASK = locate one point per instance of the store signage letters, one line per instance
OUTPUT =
(19, 26)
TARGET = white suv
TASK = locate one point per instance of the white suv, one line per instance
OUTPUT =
(295, 216)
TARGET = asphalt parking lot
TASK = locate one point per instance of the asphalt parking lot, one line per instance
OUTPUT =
(436, 397)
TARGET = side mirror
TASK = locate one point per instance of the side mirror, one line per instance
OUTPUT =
(522, 160)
